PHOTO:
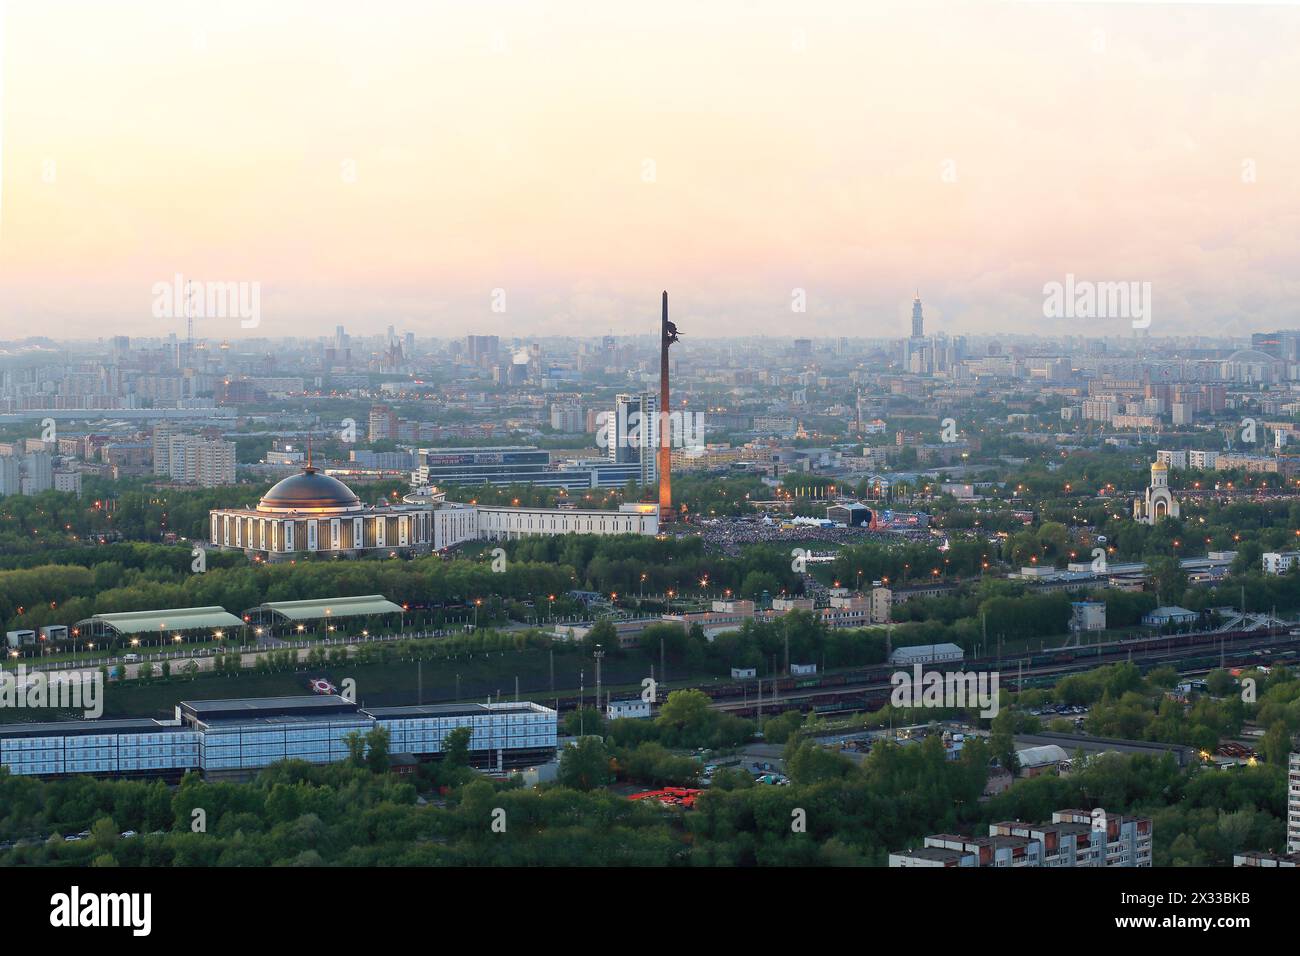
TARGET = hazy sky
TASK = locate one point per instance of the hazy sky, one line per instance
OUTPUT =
(395, 163)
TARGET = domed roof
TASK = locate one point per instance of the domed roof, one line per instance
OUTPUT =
(308, 491)
(1251, 356)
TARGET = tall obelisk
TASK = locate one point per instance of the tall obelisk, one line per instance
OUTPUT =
(667, 336)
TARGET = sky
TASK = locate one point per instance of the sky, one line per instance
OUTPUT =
(539, 168)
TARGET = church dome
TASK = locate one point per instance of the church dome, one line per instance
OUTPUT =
(309, 491)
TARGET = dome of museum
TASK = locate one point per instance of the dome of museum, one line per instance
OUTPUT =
(309, 491)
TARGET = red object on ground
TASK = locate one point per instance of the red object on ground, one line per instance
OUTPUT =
(670, 796)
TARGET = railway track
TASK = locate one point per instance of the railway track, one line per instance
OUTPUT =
(1014, 673)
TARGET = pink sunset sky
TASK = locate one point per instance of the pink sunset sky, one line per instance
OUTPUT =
(394, 163)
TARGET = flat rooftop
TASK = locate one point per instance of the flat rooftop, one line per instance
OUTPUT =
(938, 854)
(78, 728)
(448, 710)
(260, 708)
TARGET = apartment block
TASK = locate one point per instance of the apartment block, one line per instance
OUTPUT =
(1091, 838)
(1293, 804)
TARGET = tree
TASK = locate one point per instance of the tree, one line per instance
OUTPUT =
(377, 750)
(356, 748)
(585, 765)
(756, 582)
(1002, 742)
(809, 762)
(455, 748)
(602, 633)
(1219, 683)
(1276, 744)
(103, 834)
(686, 712)
(778, 730)
(1168, 578)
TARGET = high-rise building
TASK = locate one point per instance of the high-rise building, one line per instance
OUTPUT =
(213, 464)
(10, 476)
(567, 418)
(634, 433)
(482, 349)
(192, 458)
(1293, 804)
(68, 481)
(162, 436)
(38, 473)
(383, 423)
(918, 355)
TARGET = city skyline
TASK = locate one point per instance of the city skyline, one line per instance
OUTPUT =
(448, 170)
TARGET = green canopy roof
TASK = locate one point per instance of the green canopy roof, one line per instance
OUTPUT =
(360, 606)
(175, 619)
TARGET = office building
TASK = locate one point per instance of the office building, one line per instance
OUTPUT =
(502, 465)
(236, 738)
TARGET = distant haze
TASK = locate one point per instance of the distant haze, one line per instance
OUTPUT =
(395, 163)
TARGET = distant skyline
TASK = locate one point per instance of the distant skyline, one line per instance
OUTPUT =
(398, 164)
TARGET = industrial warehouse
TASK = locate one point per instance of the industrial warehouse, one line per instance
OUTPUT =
(232, 739)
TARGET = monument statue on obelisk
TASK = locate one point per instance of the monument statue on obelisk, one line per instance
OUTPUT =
(667, 336)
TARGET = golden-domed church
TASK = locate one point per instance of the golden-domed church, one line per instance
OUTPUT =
(1159, 502)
